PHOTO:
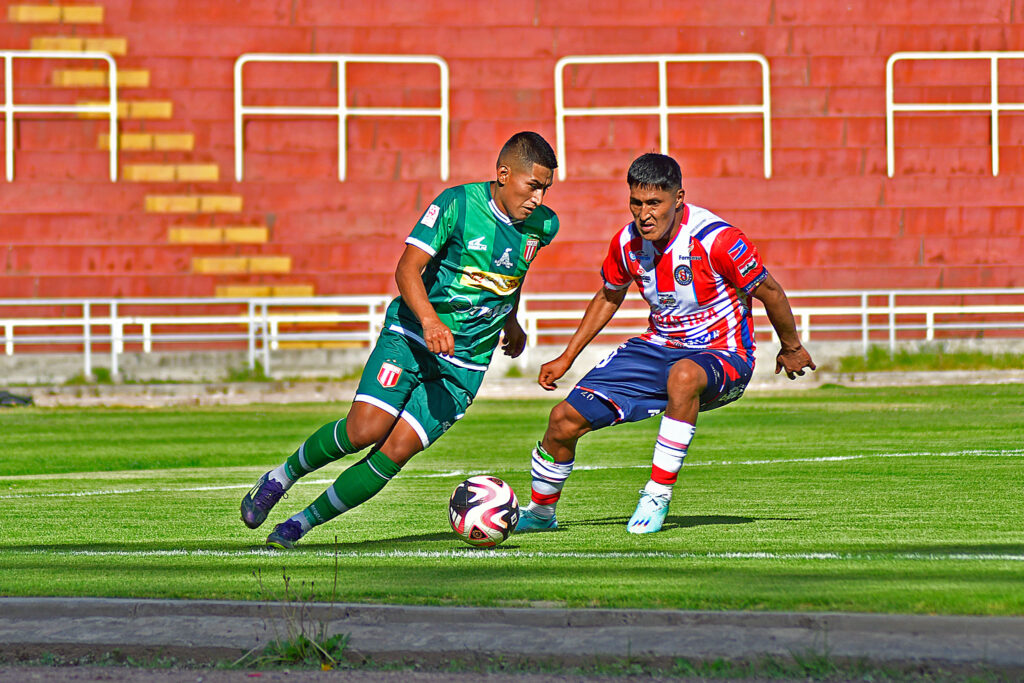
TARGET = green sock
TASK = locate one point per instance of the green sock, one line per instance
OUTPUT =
(355, 486)
(326, 444)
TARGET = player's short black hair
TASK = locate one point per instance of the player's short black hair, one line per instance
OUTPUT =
(655, 170)
(528, 148)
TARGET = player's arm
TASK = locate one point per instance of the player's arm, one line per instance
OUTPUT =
(409, 277)
(514, 337)
(599, 311)
(793, 357)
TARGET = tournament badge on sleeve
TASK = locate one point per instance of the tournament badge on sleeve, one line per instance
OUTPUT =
(388, 375)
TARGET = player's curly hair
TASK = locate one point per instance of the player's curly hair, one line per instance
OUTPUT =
(528, 148)
(655, 170)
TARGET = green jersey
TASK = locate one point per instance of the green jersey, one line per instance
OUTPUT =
(479, 259)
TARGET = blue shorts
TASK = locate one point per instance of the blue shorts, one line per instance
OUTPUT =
(631, 384)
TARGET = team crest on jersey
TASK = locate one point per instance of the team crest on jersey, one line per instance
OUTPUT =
(531, 249)
(683, 275)
(388, 375)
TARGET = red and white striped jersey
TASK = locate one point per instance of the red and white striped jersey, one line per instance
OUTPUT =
(698, 286)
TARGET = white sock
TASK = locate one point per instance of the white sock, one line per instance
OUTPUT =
(301, 519)
(674, 438)
(280, 475)
(548, 479)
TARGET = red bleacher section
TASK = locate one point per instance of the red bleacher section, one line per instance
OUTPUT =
(828, 218)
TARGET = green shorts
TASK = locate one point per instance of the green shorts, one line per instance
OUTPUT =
(403, 378)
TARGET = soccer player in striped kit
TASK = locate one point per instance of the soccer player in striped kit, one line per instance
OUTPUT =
(698, 273)
(459, 280)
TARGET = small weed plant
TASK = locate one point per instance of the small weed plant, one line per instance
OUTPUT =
(304, 641)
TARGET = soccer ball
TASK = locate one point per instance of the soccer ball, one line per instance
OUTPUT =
(483, 511)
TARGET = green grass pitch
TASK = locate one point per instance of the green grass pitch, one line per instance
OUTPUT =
(882, 500)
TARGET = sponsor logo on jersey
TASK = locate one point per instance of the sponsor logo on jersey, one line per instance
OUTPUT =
(460, 303)
(492, 282)
(667, 299)
(504, 261)
(531, 249)
(430, 217)
(645, 278)
(476, 244)
(737, 250)
(748, 266)
(683, 275)
(688, 258)
(388, 375)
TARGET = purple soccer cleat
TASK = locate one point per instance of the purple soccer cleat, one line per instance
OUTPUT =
(285, 534)
(258, 503)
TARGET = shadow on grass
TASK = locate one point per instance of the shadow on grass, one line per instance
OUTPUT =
(671, 522)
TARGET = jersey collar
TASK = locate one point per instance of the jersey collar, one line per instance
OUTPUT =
(499, 214)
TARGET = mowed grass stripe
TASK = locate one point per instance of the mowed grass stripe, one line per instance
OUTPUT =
(894, 500)
(469, 473)
(499, 554)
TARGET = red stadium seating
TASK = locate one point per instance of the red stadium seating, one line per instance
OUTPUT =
(829, 217)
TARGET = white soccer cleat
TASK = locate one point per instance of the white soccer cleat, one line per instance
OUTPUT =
(650, 514)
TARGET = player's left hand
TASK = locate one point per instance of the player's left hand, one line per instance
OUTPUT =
(793, 361)
(515, 339)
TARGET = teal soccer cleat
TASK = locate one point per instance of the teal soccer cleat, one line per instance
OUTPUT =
(528, 521)
(650, 514)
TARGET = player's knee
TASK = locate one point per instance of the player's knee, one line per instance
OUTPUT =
(566, 424)
(361, 435)
(686, 377)
(367, 427)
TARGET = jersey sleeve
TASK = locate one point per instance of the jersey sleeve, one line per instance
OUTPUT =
(435, 226)
(548, 227)
(614, 271)
(736, 259)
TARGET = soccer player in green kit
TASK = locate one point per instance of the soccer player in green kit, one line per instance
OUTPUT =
(458, 281)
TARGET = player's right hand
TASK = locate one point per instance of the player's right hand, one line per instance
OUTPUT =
(438, 337)
(551, 371)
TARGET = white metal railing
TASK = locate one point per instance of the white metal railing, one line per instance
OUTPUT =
(662, 110)
(10, 108)
(859, 312)
(993, 106)
(256, 323)
(263, 325)
(342, 111)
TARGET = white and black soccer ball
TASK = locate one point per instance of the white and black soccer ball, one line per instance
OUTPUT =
(483, 511)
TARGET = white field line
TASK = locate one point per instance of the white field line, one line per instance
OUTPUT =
(502, 555)
(1014, 453)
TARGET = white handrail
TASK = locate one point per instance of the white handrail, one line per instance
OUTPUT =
(663, 110)
(255, 323)
(342, 111)
(10, 108)
(993, 106)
